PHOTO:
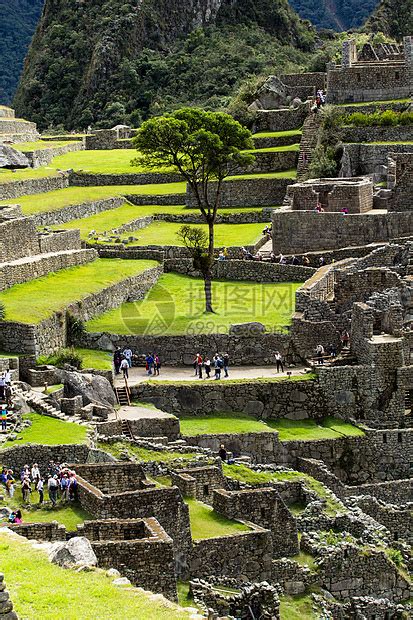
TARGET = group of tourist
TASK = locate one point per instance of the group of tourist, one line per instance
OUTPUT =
(59, 480)
(320, 100)
(123, 361)
(218, 364)
(322, 352)
(5, 398)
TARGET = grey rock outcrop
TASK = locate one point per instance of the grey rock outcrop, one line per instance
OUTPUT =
(10, 158)
(93, 389)
(75, 552)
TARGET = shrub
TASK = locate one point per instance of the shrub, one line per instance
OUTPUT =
(396, 557)
(75, 328)
(388, 118)
(62, 357)
(323, 163)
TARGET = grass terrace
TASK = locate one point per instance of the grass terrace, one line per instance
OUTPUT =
(7, 176)
(115, 161)
(165, 233)
(37, 588)
(288, 430)
(38, 299)
(278, 134)
(58, 199)
(206, 523)
(114, 218)
(99, 360)
(365, 103)
(286, 174)
(276, 149)
(175, 306)
(48, 431)
(144, 455)
(68, 514)
(41, 145)
(243, 473)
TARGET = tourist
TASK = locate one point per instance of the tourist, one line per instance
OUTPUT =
(149, 363)
(124, 366)
(10, 483)
(332, 350)
(199, 362)
(273, 258)
(283, 260)
(344, 210)
(117, 360)
(64, 487)
(279, 361)
(225, 360)
(321, 261)
(222, 453)
(35, 473)
(40, 490)
(2, 387)
(157, 364)
(345, 339)
(7, 377)
(3, 417)
(16, 517)
(218, 366)
(52, 486)
(225, 252)
(26, 489)
(72, 486)
(207, 366)
(25, 473)
(221, 256)
(305, 261)
(127, 354)
(319, 352)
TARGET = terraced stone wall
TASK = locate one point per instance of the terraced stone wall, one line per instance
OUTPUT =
(14, 189)
(247, 553)
(281, 120)
(76, 211)
(270, 162)
(260, 447)
(400, 133)
(364, 159)
(260, 192)
(59, 241)
(50, 532)
(368, 82)
(18, 238)
(18, 456)
(83, 179)
(43, 157)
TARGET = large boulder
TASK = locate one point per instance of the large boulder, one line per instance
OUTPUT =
(93, 389)
(75, 552)
(10, 158)
(271, 96)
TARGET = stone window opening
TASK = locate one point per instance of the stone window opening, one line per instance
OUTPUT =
(399, 437)
(395, 536)
(384, 438)
(397, 75)
(206, 489)
(377, 327)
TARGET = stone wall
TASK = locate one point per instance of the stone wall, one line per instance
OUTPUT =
(84, 179)
(270, 162)
(43, 157)
(76, 211)
(139, 548)
(18, 238)
(355, 195)
(6, 606)
(245, 556)
(257, 192)
(398, 133)
(162, 199)
(50, 532)
(281, 120)
(259, 447)
(165, 426)
(364, 159)
(113, 477)
(297, 232)
(368, 82)
(59, 241)
(263, 507)
(399, 521)
(14, 189)
(199, 482)
(254, 271)
(179, 350)
(17, 457)
(267, 399)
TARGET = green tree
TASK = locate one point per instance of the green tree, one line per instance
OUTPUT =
(204, 148)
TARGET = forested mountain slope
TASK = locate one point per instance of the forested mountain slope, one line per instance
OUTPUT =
(337, 14)
(103, 59)
(393, 17)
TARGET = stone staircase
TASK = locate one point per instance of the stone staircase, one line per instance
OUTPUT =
(38, 403)
(308, 143)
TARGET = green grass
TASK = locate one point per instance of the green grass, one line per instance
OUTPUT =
(99, 360)
(286, 174)
(242, 473)
(303, 430)
(175, 305)
(218, 423)
(276, 149)
(363, 103)
(206, 523)
(38, 299)
(278, 134)
(54, 388)
(116, 161)
(114, 218)
(298, 607)
(306, 559)
(165, 233)
(43, 590)
(6, 176)
(41, 145)
(68, 514)
(310, 430)
(57, 199)
(276, 379)
(144, 455)
(49, 432)
(184, 597)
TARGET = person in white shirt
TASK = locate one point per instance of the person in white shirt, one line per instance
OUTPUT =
(127, 354)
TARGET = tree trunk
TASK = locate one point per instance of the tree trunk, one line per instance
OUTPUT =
(208, 292)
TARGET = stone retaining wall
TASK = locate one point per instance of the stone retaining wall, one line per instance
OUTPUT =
(255, 271)
(162, 199)
(398, 133)
(17, 457)
(260, 447)
(43, 157)
(179, 350)
(297, 400)
(363, 159)
(143, 427)
(6, 605)
(259, 192)
(245, 556)
(368, 82)
(264, 143)
(50, 532)
(14, 189)
(84, 179)
(281, 120)
(297, 232)
(76, 211)
(275, 161)
(60, 241)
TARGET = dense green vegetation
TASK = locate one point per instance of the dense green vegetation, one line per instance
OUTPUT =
(388, 118)
(393, 17)
(18, 19)
(142, 454)
(37, 588)
(339, 15)
(37, 299)
(48, 431)
(118, 62)
(175, 305)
